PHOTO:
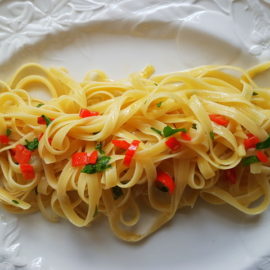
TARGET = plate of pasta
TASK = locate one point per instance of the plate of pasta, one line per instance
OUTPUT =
(134, 135)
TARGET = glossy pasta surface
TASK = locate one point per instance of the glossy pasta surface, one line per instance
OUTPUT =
(195, 126)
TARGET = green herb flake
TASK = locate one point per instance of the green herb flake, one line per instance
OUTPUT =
(102, 163)
(212, 135)
(156, 84)
(255, 94)
(39, 105)
(47, 119)
(264, 144)
(99, 148)
(157, 131)
(100, 166)
(168, 131)
(16, 202)
(159, 104)
(194, 126)
(8, 132)
(117, 192)
(89, 168)
(249, 160)
(33, 145)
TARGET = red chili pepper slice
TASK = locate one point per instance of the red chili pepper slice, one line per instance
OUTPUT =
(127, 159)
(166, 181)
(4, 139)
(121, 144)
(262, 156)
(219, 119)
(131, 152)
(41, 120)
(92, 158)
(173, 143)
(251, 141)
(22, 154)
(231, 176)
(185, 136)
(27, 171)
(86, 113)
(82, 158)
(79, 159)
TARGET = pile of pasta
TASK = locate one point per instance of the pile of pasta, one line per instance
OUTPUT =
(134, 150)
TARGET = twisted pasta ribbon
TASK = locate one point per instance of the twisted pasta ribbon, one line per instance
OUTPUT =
(130, 110)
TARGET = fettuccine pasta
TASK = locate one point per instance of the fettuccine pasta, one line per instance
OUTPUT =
(134, 150)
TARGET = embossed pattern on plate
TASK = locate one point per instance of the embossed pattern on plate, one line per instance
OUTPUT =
(45, 28)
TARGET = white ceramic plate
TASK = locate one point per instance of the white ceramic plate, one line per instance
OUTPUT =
(120, 37)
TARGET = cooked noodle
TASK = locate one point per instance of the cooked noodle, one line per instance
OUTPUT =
(138, 108)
